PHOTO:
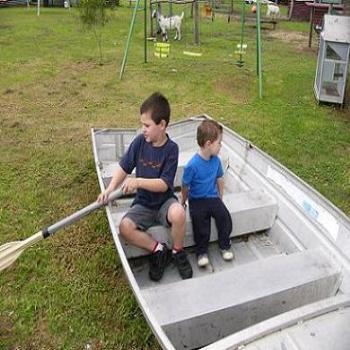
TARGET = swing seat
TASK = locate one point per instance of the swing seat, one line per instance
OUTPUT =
(194, 54)
(161, 50)
(241, 50)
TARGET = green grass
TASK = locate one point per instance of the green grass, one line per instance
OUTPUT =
(70, 291)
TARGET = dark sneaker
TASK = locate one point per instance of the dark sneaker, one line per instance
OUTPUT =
(158, 261)
(183, 264)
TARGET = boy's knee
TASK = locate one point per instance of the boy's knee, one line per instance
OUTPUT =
(177, 214)
(126, 227)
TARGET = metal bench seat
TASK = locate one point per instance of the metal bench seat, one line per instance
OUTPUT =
(222, 303)
(251, 211)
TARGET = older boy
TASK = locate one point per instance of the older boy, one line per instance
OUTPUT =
(203, 184)
(155, 157)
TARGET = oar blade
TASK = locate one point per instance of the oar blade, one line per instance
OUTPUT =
(9, 252)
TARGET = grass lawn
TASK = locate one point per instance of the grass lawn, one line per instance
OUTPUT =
(69, 292)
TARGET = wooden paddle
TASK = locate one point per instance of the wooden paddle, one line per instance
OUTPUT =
(9, 252)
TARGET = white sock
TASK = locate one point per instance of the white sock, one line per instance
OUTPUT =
(158, 247)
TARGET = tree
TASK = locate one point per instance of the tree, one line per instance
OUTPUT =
(93, 15)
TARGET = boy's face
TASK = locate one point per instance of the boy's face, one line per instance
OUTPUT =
(151, 131)
(215, 146)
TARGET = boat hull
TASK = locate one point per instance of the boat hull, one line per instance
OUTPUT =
(291, 250)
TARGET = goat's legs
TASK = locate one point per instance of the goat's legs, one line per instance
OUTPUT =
(177, 34)
(165, 36)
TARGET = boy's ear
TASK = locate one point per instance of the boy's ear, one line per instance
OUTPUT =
(163, 123)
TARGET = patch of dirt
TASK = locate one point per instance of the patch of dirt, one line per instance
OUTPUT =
(5, 327)
(42, 338)
(5, 26)
(78, 67)
(9, 91)
(237, 88)
(298, 39)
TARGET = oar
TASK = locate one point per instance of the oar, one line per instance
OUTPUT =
(9, 252)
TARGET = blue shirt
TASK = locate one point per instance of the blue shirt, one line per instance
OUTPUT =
(152, 163)
(200, 176)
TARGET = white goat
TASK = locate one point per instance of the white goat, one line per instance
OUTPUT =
(273, 11)
(167, 23)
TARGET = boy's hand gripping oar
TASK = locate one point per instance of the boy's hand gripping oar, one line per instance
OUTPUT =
(9, 252)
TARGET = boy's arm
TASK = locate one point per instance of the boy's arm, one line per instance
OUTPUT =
(161, 184)
(118, 177)
(152, 185)
(187, 177)
(220, 182)
(184, 195)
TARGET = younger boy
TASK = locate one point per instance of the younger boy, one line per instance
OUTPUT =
(155, 157)
(203, 185)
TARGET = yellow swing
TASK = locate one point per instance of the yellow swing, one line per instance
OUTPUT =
(161, 50)
(241, 49)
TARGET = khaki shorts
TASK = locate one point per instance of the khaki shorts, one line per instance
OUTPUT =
(144, 217)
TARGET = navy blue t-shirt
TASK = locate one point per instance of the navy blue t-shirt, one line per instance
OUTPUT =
(152, 163)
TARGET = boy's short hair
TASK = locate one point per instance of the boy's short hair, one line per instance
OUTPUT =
(208, 130)
(158, 106)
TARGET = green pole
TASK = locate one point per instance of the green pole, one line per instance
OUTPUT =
(145, 29)
(129, 39)
(240, 62)
(258, 48)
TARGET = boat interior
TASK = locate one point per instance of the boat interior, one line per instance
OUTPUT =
(286, 256)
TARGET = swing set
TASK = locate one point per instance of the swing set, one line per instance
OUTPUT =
(162, 50)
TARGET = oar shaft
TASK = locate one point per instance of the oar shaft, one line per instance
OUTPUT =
(79, 214)
(9, 252)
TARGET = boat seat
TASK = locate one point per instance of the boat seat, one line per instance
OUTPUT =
(198, 311)
(251, 211)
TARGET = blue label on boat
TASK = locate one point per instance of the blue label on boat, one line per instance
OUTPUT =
(310, 210)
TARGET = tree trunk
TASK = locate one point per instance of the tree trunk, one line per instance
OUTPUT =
(196, 22)
(291, 7)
